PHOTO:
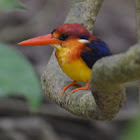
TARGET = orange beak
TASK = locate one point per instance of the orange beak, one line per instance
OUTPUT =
(41, 40)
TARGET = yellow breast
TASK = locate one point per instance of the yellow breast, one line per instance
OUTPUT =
(77, 70)
(73, 66)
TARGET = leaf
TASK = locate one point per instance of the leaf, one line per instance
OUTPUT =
(132, 131)
(9, 4)
(18, 77)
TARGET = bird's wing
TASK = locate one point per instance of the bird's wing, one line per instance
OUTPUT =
(94, 51)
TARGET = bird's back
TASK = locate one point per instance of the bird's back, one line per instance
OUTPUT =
(94, 50)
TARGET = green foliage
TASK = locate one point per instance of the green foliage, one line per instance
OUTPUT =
(18, 77)
(132, 131)
(9, 4)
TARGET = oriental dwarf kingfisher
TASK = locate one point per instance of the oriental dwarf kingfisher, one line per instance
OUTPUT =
(76, 51)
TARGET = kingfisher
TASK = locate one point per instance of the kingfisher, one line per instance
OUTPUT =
(76, 50)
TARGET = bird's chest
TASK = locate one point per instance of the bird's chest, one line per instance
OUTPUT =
(72, 64)
(64, 56)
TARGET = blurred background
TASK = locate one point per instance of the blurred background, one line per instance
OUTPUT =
(26, 113)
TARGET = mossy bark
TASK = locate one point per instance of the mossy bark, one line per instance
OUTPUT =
(107, 79)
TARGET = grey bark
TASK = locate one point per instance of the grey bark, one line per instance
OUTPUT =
(138, 27)
(107, 79)
(138, 19)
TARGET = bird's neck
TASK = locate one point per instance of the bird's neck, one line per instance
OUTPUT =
(67, 54)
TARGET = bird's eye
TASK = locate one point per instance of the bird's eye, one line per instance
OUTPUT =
(63, 37)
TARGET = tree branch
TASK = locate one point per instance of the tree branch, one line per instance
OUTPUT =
(138, 19)
(107, 78)
(138, 27)
(84, 12)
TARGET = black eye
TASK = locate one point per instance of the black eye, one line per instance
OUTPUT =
(63, 37)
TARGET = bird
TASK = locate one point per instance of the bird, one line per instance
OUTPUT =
(76, 50)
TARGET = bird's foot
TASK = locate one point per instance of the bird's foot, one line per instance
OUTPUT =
(70, 84)
(82, 88)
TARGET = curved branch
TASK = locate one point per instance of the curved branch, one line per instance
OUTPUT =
(108, 74)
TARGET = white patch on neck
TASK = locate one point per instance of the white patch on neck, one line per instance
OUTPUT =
(83, 41)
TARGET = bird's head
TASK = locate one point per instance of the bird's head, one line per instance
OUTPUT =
(62, 36)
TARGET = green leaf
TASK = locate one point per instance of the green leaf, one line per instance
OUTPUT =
(9, 4)
(18, 77)
(132, 131)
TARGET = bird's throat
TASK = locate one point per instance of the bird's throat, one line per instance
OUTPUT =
(57, 46)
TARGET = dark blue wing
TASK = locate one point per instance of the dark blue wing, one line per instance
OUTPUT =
(96, 50)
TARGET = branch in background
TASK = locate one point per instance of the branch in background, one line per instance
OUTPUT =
(84, 12)
(138, 19)
(40, 20)
(138, 27)
(26, 128)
